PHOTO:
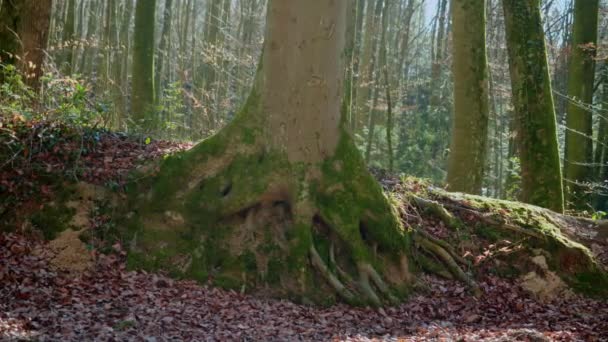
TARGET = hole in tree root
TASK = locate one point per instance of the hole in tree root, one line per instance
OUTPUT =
(282, 207)
(321, 227)
(369, 240)
(363, 231)
(226, 189)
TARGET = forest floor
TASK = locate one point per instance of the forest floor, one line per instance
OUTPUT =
(106, 302)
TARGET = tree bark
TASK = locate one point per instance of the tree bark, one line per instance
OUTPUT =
(164, 49)
(24, 30)
(368, 50)
(533, 105)
(438, 55)
(143, 95)
(284, 179)
(470, 128)
(578, 157)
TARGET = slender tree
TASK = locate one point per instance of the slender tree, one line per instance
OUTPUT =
(469, 67)
(533, 105)
(142, 93)
(437, 53)
(69, 38)
(164, 50)
(578, 157)
(366, 66)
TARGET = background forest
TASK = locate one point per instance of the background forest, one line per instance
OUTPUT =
(181, 69)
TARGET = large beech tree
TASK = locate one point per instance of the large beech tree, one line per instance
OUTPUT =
(283, 184)
(469, 134)
(541, 175)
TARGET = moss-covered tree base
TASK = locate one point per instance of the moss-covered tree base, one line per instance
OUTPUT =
(244, 216)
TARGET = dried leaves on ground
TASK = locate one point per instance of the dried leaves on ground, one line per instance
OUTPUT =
(109, 303)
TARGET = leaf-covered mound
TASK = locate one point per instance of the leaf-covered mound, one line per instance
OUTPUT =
(39, 159)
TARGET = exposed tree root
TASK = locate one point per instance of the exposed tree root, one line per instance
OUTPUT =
(446, 246)
(490, 221)
(437, 209)
(448, 261)
(320, 266)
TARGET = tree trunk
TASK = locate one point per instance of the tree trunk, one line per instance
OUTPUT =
(34, 32)
(290, 196)
(579, 135)
(164, 49)
(470, 128)
(10, 17)
(601, 148)
(24, 29)
(364, 83)
(437, 57)
(69, 38)
(89, 57)
(123, 60)
(384, 66)
(533, 105)
(142, 94)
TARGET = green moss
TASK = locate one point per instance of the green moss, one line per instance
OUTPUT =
(52, 219)
(593, 283)
(351, 199)
(247, 259)
(227, 282)
(276, 268)
(490, 233)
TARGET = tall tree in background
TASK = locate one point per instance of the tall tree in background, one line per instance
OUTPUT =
(164, 49)
(287, 169)
(533, 105)
(601, 153)
(469, 133)
(24, 29)
(69, 37)
(142, 93)
(578, 157)
(437, 52)
(366, 62)
(10, 16)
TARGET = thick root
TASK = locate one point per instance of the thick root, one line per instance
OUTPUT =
(320, 266)
(438, 210)
(448, 262)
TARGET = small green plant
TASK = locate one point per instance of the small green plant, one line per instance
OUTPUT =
(599, 215)
(69, 100)
(15, 96)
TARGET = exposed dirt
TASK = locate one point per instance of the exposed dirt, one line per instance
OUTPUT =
(68, 253)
